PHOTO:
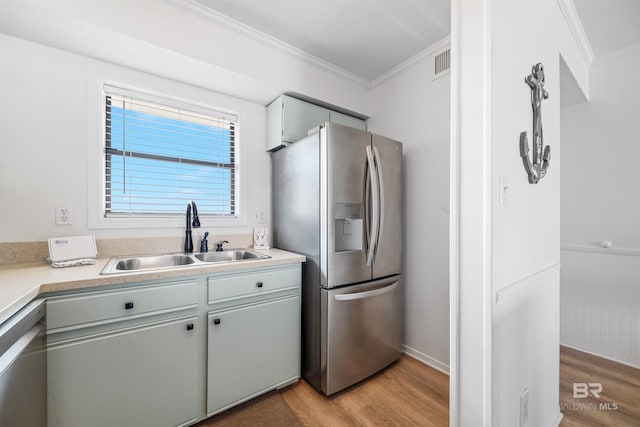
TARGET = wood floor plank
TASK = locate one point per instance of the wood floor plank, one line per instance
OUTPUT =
(408, 393)
(619, 401)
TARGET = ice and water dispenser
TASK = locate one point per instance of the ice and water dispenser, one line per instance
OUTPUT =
(348, 227)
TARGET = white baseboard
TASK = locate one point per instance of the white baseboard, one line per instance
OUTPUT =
(559, 419)
(622, 362)
(427, 360)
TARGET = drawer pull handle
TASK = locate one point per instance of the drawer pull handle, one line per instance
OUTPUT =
(128, 305)
(259, 284)
(189, 326)
(216, 321)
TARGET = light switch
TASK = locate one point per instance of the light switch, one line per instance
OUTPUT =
(504, 188)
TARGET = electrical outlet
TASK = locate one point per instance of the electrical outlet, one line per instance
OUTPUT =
(260, 217)
(64, 215)
(524, 407)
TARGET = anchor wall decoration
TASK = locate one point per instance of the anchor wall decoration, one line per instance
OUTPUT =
(536, 167)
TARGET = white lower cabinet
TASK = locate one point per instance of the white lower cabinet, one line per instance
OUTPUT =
(252, 349)
(145, 376)
(172, 352)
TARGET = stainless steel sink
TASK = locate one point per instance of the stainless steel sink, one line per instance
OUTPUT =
(155, 261)
(229, 255)
(128, 264)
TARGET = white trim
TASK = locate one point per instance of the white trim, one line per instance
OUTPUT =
(559, 419)
(154, 86)
(427, 360)
(568, 9)
(520, 284)
(600, 250)
(623, 51)
(454, 224)
(202, 12)
(435, 48)
(471, 255)
(622, 362)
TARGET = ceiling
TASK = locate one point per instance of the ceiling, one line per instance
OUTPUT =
(364, 37)
(610, 25)
(370, 37)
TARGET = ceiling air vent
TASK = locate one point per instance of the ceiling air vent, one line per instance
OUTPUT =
(442, 63)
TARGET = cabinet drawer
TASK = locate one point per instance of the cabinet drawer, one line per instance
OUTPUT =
(106, 306)
(254, 283)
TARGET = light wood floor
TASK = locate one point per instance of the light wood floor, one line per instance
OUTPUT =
(619, 402)
(408, 393)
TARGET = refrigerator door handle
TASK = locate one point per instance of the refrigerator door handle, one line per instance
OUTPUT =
(366, 294)
(375, 206)
(367, 201)
(378, 161)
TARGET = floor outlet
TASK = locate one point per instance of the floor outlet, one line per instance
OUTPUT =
(63, 215)
(524, 407)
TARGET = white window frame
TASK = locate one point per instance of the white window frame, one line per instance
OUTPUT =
(165, 90)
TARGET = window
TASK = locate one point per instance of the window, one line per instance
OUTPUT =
(160, 154)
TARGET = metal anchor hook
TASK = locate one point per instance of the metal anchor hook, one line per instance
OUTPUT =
(536, 167)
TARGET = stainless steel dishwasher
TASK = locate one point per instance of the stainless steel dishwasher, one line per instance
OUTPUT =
(23, 368)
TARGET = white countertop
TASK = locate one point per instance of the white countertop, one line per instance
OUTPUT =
(21, 283)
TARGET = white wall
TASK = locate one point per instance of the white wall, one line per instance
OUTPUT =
(600, 179)
(412, 108)
(511, 264)
(53, 50)
(601, 149)
(179, 40)
(526, 232)
(45, 139)
(46, 129)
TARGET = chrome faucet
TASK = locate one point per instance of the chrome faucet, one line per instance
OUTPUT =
(188, 240)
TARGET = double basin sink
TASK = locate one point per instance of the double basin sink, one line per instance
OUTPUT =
(128, 264)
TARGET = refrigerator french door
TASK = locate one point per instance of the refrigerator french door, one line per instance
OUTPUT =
(361, 193)
(337, 199)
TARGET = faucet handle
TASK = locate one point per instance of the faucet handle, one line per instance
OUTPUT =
(204, 244)
(219, 247)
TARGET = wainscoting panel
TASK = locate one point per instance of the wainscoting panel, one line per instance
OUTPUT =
(525, 349)
(600, 303)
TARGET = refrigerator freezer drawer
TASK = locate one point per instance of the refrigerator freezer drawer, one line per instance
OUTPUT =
(361, 333)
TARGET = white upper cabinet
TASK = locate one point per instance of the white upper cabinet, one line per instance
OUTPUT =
(289, 119)
(347, 120)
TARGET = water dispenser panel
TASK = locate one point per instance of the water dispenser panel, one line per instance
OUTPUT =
(348, 227)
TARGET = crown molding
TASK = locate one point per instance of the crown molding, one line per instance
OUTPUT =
(200, 11)
(627, 50)
(420, 56)
(568, 9)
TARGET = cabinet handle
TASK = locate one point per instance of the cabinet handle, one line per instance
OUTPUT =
(259, 284)
(216, 321)
(128, 305)
(189, 326)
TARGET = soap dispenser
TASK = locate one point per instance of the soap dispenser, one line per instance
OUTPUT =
(204, 244)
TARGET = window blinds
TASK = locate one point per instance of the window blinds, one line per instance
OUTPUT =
(160, 154)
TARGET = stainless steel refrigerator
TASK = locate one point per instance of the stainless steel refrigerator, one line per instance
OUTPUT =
(337, 198)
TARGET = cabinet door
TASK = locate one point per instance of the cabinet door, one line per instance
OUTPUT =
(252, 350)
(299, 117)
(144, 376)
(344, 119)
